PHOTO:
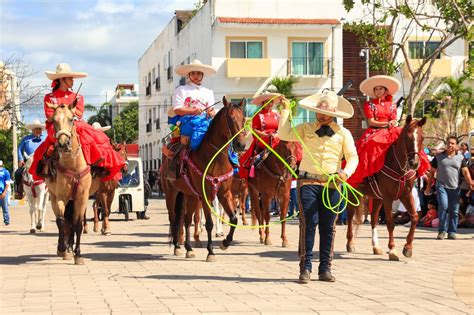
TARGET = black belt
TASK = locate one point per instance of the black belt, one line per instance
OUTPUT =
(306, 175)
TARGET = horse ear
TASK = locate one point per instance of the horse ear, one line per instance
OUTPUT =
(242, 102)
(224, 101)
(422, 121)
(408, 120)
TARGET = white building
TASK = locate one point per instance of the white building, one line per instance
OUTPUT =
(123, 95)
(249, 42)
(9, 97)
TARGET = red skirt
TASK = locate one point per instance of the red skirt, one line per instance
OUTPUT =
(372, 148)
(95, 146)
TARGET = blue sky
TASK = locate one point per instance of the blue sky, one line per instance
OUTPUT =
(104, 38)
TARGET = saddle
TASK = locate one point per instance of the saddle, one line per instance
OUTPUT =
(172, 153)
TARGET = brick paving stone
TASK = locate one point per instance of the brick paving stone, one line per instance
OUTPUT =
(134, 271)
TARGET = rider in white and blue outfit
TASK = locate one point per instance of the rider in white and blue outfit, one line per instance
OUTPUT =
(192, 106)
(27, 147)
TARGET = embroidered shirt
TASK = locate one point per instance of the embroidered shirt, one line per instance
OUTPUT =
(192, 95)
(59, 97)
(327, 151)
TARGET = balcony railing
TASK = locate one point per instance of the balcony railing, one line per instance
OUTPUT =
(305, 66)
(148, 90)
(169, 73)
(157, 84)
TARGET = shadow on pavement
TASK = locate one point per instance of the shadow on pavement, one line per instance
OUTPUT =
(121, 256)
(218, 278)
(125, 244)
(20, 260)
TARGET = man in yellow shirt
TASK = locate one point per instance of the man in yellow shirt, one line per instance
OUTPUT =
(328, 143)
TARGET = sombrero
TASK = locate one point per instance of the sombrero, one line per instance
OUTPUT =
(328, 103)
(269, 93)
(196, 65)
(97, 126)
(391, 84)
(35, 124)
(63, 70)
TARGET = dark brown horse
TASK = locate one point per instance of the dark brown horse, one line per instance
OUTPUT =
(273, 180)
(105, 196)
(184, 195)
(240, 192)
(394, 181)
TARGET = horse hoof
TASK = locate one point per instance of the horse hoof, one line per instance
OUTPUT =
(32, 231)
(105, 232)
(85, 231)
(177, 252)
(198, 244)
(78, 261)
(350, 248)
(190, 254)
(377, 250)
(67, 256)
(96, 229)
(222, 246)
(60, 254)
(285, 244)
(407, 252)
(393, 256)
(268, 242)
(211, 258)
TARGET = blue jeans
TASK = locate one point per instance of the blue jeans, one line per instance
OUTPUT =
(4, 205)
(448, 203)
(292, 205)
(314, 213)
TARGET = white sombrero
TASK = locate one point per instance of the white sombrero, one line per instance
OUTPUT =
(269, 93)
(63, 70)
(97, 126)
(196, 65)
(35, 124)
(391, 84)
(328, 103)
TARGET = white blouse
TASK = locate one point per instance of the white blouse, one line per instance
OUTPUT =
(192, 95)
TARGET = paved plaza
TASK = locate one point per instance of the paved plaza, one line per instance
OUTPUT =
(133, 271)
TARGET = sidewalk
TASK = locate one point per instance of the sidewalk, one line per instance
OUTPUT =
(133, 271)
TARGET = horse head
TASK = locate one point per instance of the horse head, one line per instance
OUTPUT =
(412, 134)
(63, 120)
(235, 121)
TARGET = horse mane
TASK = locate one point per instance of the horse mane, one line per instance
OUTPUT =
(212, 124)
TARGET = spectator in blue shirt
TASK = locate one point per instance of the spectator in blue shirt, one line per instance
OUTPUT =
(26, 149)
(4, 185)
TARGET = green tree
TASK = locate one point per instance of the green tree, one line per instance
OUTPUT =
(101, 114)
(6, 145)
(284, 85)
(393, 22)
(126, 124)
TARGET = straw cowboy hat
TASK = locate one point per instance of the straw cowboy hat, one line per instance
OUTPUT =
(97, 126)
(63, 70)
(391, 84)
(35, 124)
(328, 103)
(196, 65)
(269, 93)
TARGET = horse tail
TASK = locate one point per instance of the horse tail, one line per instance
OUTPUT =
(178, 218)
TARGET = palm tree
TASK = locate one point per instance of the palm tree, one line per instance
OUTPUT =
(101, 114)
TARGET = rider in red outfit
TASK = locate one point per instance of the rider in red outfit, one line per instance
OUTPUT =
(95, 144)
(383, 129)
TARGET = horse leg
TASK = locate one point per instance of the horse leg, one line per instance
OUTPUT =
(226, 201)
(350, 235)
(197, 225)
(42, 205)
(392, 252)
(174, 203)
(211, 257)
(191, 207)
(220, 216)
(256, 211)
(374, 219)
(76, 223)
(32, 203)
(106, 204)
(284, 203)
(409, 203)
(95, 207)
(58, 209)
(85, 227)
(265, 210)
(69, 230)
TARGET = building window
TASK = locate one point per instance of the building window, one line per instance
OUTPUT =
(246, 49)
(307, 58)
(422, 49)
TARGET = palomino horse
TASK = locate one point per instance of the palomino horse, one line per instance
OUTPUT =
(273, 180)
(187, 189)
(394, 181)
(105, 196)
(37, 195)
(71, 188)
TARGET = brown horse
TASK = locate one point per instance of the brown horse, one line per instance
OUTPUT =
(240, 191)
(186, 191)
(70, 189)
(273, 180)
(105, 196)
(394, 181)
